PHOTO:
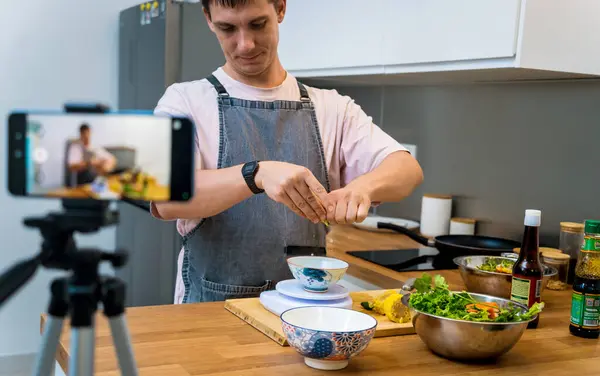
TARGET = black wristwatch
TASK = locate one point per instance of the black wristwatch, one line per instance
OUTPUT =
(249, 171)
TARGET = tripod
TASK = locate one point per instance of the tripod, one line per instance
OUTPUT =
(78, 294)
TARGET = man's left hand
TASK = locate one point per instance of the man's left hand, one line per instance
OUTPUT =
(348, 205)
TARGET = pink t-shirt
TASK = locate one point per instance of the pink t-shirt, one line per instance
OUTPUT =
(353, 145)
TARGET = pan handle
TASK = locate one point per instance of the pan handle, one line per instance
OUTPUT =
(411, 234)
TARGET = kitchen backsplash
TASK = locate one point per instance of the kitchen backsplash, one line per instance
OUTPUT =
(498, 148)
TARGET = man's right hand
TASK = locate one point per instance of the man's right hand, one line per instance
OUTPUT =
(293, 186)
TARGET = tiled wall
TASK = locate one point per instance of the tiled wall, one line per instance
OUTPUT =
(499, 149)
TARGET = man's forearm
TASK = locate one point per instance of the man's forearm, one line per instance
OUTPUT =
(215, 192)
(393, 180)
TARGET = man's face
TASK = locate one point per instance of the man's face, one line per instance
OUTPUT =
(248, 34)
(85, 136)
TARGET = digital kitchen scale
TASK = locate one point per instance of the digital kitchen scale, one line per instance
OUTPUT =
(404, 260)
(290, 294)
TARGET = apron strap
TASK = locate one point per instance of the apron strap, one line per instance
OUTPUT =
(303, 92)
(223, 93)
(220, 89)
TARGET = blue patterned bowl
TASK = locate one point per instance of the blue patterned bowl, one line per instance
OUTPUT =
(327, 337)
(317, 273)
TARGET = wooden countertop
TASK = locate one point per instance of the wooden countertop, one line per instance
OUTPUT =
(205, 339)
(155, 191)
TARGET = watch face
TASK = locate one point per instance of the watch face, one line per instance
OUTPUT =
(249, 168)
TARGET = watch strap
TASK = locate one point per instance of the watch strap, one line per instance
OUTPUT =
(249, 171)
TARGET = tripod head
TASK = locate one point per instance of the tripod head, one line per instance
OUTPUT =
(59, 250)
(57, 230)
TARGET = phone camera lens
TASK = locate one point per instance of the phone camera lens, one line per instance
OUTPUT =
(18, 154)
(185, 195)
(18, 136)
(177, 125)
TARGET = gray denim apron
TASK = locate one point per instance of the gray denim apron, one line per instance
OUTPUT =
(240, 252)
(88, 175)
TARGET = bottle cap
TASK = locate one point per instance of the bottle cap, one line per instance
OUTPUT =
(571, 227)
(592, 227)
(533, 217)
(555, 255)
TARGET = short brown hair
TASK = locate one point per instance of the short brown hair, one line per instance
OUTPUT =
(225, 3)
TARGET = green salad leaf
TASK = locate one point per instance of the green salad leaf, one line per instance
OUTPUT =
(437, 299)
(440, 282)
(497, 265)
(534, 310)
(423, 284)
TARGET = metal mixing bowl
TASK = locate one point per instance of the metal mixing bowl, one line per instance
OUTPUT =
(491, 283)
(468, 340)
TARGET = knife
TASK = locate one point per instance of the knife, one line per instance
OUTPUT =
(409, 284)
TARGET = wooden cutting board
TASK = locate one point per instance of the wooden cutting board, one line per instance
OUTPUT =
(251, 311)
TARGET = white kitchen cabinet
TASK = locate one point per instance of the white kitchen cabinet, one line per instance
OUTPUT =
(433, 41)
(425, 31)
(331, 34)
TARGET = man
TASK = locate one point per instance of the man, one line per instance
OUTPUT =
(87, 162)
(274, 159)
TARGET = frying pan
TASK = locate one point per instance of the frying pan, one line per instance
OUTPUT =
(459, 244)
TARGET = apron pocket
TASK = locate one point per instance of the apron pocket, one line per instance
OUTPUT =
(214, 292)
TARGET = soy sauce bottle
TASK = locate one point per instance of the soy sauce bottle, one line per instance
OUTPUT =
(585, 301)
(528, 270)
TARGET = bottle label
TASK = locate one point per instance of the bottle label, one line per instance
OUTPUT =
(526, 290)
(585, 310)
(590, 244)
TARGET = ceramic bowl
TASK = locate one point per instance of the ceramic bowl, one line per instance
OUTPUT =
(327, 337)
(317, 273)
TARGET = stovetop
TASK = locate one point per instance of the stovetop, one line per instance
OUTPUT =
(402, 260)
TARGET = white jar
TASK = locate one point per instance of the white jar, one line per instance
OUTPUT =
(462, 226)
(436, 211)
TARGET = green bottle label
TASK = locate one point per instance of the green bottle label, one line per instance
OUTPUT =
(591, 244)
(585, 310)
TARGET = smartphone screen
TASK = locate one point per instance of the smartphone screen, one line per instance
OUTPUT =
(101, 156)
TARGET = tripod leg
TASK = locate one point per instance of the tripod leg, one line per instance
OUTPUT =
(83, 303)
(114, 308)
(122, 342)
(45, 360)
(57, 310)
(82, 359)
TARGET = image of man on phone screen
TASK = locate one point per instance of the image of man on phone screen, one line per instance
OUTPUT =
(87, 162)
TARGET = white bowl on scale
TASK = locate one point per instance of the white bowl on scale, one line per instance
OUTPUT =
(317, 273)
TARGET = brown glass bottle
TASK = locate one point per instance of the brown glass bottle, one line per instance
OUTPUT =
(528, 270)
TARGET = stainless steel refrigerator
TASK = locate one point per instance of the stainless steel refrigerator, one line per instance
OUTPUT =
(160, 43)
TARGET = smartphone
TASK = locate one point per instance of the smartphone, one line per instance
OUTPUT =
(100, 156)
